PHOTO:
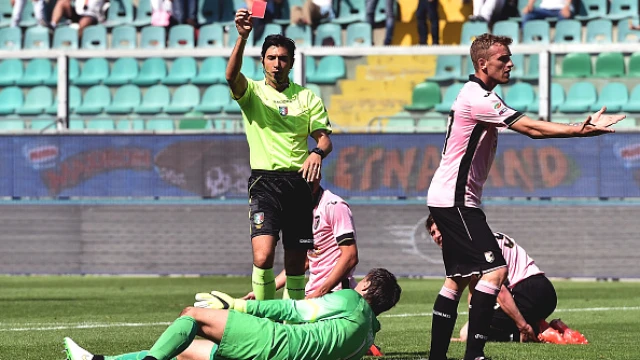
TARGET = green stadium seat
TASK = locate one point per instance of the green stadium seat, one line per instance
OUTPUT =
(329, 70)
(580, 97)
(269, 29)
(120, 13)
(125, 100)
(160, 122)
(102, 123)
(468, 70)
(626, 35)
(359, 34)
(75, 99)
(399, 124)
(329, 34)
(94, 71)
(517, 71)
(124, 37)
(214, 99)
(43, 123)
(520, 96)
(508, 28)
(11, 70)
(184, 99)
(5, 14)
(233, 37)
(568, 32)
(533, 68)
(448, 67)
(130, 124)
(154, 100)
(74, 72)
(432, 125)
(153, 37)
(622, 9)
(11, 99)
(300, 34)
(194, 120)
(576, 65)
(10, 39)
(143, 14)
(591, 9)
(182, 37)
(152, 71)
(36, 38)
(634, 65)
(599, 31)
(310, 67)
(76, 123)
(124, 70)
(212, 71)
(35, 73)
(182, 70)
(610, 64)
(211, 36)
(350, 11)
(12, 123)
(471, 29)
(424, 97)
(232, 108)
(633, 104)
(38, 99)
(94, 37)
(450, 95)
(249, 68)
(95, 99)
(613, 95)
(536, 32)
(557, 98)
(28, 17)
(315, 88)
(65, 38)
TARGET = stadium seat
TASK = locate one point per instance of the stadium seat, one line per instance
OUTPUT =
(450, 95)
(249, 68)
(153, 37)
(517, 71)
(93, 72)
(301, 34)
(634, 65)
(315, 88)
(269, 29)
(214, 99)
(102, 123)
(124, 70)
(507, 28)
(431, 125)
(520, 96)
(533, 67)
(124, 37)
(329, 70)
(154, 100)
(11, 99)
(184, 99)
(35, 73)
(557, 98)
(5, 14)
(211, 36)
(160, 122)
(74, 100)
(94, 37)
(11, 71)
(535, 32)
(181, 37)
(38, 99)
(28, 17)
(448, 67)
(309, 67)
(622, 9)
(95, 100)
(36, 38)
(194, 121)
(233, 36)
(626, 35)
(576, 65)
(468, 70)
(359, 34)
(130, 124)
(65, 38)
(568, 32)
(591, 9)
(76, 123)
(208, 11)
(152, 71)
(10, 39)
(328, 34)
(43, 123)
(609, 64)
(232, 108)
(580, 97)
(73, 70)
(182, 70)
(126, 98)
(633, 104)
(424, 97)
(350, 11)
(399, 123)
(599, 31)
(12, 123)
(613, 95)
(143, 14)
(212, 71)
(471, 29)
(120, 13)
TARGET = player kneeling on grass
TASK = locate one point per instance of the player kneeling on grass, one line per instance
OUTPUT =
(345, 320)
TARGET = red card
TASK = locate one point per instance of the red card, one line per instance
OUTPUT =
(258, 9)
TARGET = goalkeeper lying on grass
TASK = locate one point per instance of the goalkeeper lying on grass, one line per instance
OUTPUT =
(339, 325)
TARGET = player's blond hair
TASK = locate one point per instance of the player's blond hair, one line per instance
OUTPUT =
(480, 48)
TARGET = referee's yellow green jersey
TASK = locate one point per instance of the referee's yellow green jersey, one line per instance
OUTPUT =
(278, 124)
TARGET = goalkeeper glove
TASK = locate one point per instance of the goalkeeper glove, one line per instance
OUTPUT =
(219, 300)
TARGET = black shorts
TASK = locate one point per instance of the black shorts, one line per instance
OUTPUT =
(535, 298)
(281, 201)
(468, 244)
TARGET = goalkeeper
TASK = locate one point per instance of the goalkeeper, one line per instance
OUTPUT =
(339, 325)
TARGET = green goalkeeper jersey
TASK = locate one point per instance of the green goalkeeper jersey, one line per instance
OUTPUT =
(339, 325)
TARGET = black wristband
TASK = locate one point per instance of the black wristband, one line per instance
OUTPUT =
(317, 151)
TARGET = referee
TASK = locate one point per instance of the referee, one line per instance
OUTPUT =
(279, 116)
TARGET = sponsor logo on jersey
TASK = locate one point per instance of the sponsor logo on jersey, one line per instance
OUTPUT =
(502, 111)
(497, 105)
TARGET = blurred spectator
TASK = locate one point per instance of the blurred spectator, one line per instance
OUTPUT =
(161, 12)
(632, 26)
(428, 8)
(389, 20)
(18, 8)
(485, 10)
(185, 12)
(560, 9)
(84, 13)
(273, 11)
(313, 12)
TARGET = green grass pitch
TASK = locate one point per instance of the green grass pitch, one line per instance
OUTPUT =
(113, 315)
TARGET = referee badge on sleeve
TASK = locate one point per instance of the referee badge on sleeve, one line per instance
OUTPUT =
(489, 256)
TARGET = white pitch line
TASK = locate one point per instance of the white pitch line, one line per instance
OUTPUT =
(594, 309)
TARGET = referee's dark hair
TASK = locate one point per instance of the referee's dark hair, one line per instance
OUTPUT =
(279, 40)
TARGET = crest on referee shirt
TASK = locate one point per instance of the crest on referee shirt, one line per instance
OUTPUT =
(283, 110)
(489, 256)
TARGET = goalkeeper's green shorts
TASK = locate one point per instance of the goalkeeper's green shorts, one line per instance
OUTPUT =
(249, 337)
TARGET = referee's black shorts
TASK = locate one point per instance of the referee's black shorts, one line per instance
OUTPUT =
(281, 201)
(468, 244)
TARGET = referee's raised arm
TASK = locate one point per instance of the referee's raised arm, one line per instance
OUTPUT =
(237, 81)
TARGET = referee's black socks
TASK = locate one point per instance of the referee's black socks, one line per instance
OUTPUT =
(445, 313)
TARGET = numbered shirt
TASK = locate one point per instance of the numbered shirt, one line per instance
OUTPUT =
(520, 264)
(470, 145)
